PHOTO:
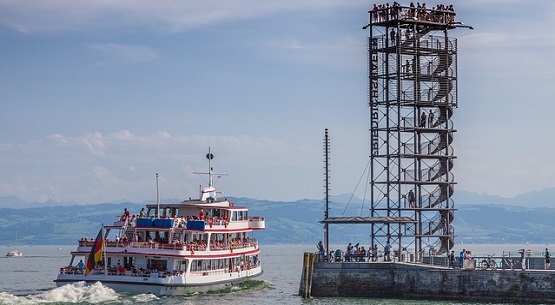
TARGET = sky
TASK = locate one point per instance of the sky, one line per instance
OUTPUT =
(98, 96)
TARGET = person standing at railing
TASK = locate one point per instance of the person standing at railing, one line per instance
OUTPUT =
(387, 252)
(452, 259)
(522, 259)
(321, 250)
(81, 266)
(547, 259)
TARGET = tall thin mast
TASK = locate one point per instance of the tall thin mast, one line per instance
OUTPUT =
(327, 190)
(157, 197)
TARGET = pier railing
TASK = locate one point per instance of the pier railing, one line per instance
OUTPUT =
(505, 261)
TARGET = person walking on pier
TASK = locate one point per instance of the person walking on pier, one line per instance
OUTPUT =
(461, 258)
(547, 259)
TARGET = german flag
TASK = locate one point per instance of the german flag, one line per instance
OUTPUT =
(96, 253)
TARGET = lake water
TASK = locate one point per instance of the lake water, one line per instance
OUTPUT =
(29, 280)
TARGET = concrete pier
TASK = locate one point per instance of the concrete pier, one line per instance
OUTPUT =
(422, 281)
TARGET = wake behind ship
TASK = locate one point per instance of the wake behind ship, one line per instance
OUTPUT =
(196, 245)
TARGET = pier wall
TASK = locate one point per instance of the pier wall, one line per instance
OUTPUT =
(411, 281)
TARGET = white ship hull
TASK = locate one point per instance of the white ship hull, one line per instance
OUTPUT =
(164, 285)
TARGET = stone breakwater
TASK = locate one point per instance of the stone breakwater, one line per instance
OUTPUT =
(419, 281)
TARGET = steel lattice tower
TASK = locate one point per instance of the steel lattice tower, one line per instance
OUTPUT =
(412, 64)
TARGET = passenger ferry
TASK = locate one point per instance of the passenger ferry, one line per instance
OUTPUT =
(196, 245)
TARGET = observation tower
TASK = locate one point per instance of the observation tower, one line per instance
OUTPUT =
(412, 66)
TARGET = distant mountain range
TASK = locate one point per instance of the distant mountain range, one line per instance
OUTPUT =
(478, 219)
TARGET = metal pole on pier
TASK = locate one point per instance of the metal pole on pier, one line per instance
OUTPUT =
(326, 213)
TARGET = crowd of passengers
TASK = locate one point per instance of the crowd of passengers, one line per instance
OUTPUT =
(179, 222)
(440, 13)
(197, 245)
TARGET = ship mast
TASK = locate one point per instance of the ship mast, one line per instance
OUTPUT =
(210, 156)
(209, 193)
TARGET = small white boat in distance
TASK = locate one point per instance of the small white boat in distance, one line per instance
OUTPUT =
(14, 253)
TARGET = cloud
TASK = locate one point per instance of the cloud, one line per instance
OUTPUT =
(170, 15)
(124, 53)
(100, 167)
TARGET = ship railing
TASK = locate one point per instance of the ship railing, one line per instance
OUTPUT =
(70, 270)
(113, 271)
(156, 245)
(248, 265)
(398, 12)
(200, 246)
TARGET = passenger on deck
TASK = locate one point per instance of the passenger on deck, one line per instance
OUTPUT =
(80, 265)
(125, 215)
(201, 214)
(142, 213)
(121, 269)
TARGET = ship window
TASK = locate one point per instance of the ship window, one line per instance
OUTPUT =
(243, 215)
(157, 264)
(234, 216)
(182, 265)
(196, 265)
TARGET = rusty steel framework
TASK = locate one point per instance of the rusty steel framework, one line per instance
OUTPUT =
(412, 65)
